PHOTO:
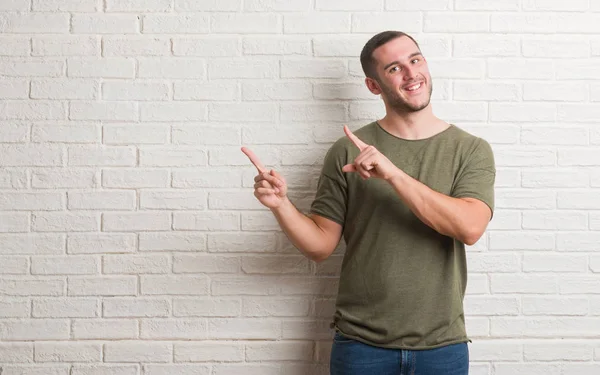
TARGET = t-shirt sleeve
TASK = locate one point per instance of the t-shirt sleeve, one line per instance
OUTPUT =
(477, 177)
(331, 197)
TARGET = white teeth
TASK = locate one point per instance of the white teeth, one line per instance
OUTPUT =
(413, 88)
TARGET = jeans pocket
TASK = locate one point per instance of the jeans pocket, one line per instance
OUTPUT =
(338, 338)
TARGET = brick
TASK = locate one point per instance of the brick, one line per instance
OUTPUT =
(242, 243)
(248, 69)
(299, 329)
(139, 5)
(97, 369)
(246, 329)
(375, 22)
(555, 221)
(30, 155)
(135, 46)
(527, 112)
(280, 351)
(59, 178)
(209, 352)
(65, 265)
(13, 89)
(35, 329)
(99, 243)
(250, 112)
(548, 305)
(29, 23)
(15, 45)
(277, 45)
(173, 241)
(281, 264)
(462, 111)
(194, 23)
(177, 369)
(173, 329)
(577, 157)
(243, 285)
(103, 111)
(14, 222)
(457, 68)
(548, 262)
(576, 112)
(456, 23)
(67, 352)
(541, 92)
(578, 241)
(32, 244)
(567, 327)
(15, 5)
(317, 23)
(65, 6)
(32, 110)
(492, 306)
(201, 90)
(205, 135)
(275, 307)
(527, 69)
(205, 264)
(524, 157)
(64, 89)
(65, 46)
(338, 91)
(135, 178)
(227, 200)
(522, 240)
(136, 264)
(65, 222)
(313, 69)
(271, 135)
(248, 23)
(282, 90)
(173, 200)
(554, 46)
(255, 369)
(130, 134)
(577, 200)
(103, 286)
(487, 5)
(102, 23)
(14, 132)
(493, 262)
(165, 157)
(33, 67)
(314, 112)
(104, 329)
(65, 308)
(135, 307)
(557, 179)
(141, 221)
(577, 284)
(486, 91)
(578, 69)
(557, 351)
(424, 5)
(36, 370)
(515, 283)
(138, 90)
(497, 350)
(208, 5)
(32, 201)
(16, 353)
(101, 156)
(101, 68)
(14, 308)
(13, 178)
(174, 285)
(172, 68)
(332, 47)
(550, 135)
(173, 111)
(107, 200)
(14, 265)
(204, 307)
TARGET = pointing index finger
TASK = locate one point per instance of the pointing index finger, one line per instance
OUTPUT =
(357, 142)
(254, 160)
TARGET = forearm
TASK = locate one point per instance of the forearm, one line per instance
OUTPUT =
(446, 215)
(303, 232)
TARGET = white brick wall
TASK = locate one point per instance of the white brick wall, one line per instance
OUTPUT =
(131, 243)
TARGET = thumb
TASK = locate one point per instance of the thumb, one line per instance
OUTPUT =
(349, 168)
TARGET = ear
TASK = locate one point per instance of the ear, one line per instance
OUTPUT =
(373, 86)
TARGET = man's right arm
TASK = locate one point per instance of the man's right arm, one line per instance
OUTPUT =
(315, 236)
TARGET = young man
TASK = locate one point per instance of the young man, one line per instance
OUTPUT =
(407, 192)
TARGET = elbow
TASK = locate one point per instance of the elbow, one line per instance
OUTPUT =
(470, 237)
(320, 256)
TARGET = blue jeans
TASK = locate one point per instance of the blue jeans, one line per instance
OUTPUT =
(351, 357)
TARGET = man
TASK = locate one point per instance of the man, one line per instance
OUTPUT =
(407, 192)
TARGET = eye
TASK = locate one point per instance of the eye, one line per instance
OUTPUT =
(414, 61)
(395, 69)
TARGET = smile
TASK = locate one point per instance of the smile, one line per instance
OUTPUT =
(414, 87)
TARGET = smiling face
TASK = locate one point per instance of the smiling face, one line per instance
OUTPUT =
(403, 78)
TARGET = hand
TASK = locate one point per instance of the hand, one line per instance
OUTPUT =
(270, 187)
(370, 162)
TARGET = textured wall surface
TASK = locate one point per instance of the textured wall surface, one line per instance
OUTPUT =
(130, 240)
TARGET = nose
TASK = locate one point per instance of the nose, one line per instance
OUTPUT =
(409, 73)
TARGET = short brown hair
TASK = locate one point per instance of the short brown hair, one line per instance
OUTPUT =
(366, 56)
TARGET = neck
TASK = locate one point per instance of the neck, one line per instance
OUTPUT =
(412, 125)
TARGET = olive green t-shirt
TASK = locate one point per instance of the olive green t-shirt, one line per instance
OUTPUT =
(402, 283)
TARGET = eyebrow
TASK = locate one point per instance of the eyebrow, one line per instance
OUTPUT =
(397, 62)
